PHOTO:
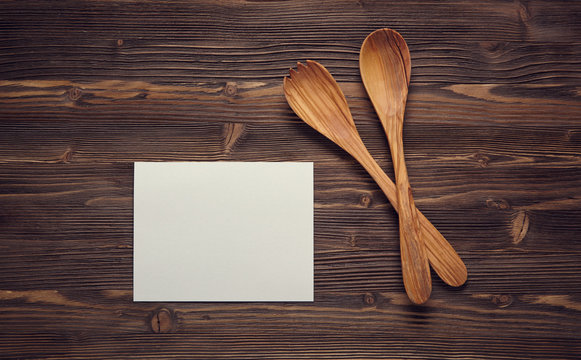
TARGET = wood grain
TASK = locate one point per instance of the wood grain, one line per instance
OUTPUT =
(493, 151)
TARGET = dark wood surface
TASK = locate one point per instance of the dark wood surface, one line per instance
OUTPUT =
(493, 148)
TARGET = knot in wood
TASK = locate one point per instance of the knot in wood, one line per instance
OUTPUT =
(493, 46)
(162, 321)
(230, 89)
(482, 160)
(120, 42)
(523, 12)
(502, 301)
(74, 93)
(67, 156)
(352, 239)
(232, 133)
(519, 227)
(369, 299)
(499, 204)
(365, 200)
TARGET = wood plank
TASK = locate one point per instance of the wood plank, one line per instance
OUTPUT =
(306, 346)
(441, 61)
(263, 102)
(107, 313)
(92, 319)
(496, 41)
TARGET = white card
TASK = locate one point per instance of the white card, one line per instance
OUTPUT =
(223, 231)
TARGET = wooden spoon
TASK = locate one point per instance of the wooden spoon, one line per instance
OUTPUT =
(385, 70)
(385, 65)
(316, 98)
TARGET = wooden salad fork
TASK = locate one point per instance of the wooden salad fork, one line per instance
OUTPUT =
(385, 67)
(316, 98)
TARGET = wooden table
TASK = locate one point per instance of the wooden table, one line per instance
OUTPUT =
(493, 142)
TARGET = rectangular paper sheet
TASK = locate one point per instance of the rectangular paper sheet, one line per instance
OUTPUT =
(223, 231)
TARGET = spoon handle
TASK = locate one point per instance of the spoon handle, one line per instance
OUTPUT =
(441, 255)
(414, 260)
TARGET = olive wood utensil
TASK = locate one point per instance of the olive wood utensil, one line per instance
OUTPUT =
(385, 66)
(316, 98)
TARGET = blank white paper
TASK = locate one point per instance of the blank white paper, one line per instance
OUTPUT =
(223, 231)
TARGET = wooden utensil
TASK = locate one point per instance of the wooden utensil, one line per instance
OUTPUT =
(385, 67)
(316, 98)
